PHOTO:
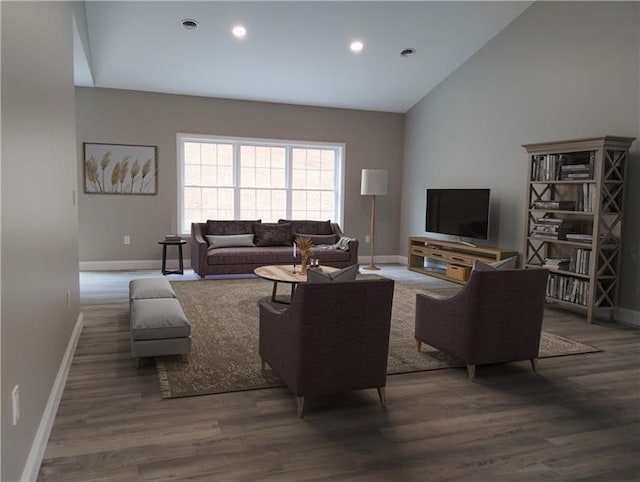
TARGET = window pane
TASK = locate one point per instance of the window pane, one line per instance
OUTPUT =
(247, 177)
(192, 175)
(313, 179)
(263, 157)
(225, 154)
(248, 156)
(225, 176)
(209, 175)
(209, 154)
(193, 198)
(191, 153)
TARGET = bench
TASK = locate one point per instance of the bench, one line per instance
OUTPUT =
(157, 324)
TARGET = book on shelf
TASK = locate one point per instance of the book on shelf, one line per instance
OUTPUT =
(585, 238)
(556, 263)
(172, 237)
(551, 204)
(548, 220)
(576, 171)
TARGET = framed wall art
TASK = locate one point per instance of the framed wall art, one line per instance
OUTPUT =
(120, 169)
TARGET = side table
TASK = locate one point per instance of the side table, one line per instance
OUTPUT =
(179, 244)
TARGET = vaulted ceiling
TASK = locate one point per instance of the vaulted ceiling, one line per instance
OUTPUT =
(293, 52)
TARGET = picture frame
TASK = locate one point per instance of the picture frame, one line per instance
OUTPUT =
(123, 169)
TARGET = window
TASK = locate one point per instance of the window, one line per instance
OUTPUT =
(233, 178)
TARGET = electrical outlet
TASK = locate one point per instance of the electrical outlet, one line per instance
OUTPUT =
(127, 239)
(15, 404)
(367, 238)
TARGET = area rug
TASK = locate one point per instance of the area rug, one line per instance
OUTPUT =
(224, 330)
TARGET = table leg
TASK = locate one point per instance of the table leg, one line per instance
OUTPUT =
(164, 259)
(180, 257)
(275, 290)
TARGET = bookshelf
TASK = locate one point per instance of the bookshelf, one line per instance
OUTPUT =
(574, 220)
(450, 260)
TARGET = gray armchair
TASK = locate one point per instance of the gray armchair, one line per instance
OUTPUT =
(495, 318)
(334, 337)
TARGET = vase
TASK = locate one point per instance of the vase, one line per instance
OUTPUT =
(303, 263)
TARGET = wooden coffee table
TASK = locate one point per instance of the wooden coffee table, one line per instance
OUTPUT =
(284, 273)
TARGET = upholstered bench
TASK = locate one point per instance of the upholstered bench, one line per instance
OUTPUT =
(157, 324)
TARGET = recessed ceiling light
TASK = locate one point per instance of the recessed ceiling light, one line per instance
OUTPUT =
(407, 52)
(356, 46)
(190, 24)
(239, 31)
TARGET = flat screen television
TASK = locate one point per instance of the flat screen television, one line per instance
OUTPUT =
(458, 212)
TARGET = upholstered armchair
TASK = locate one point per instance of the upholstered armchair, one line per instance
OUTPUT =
(333, 337)
(495, 318)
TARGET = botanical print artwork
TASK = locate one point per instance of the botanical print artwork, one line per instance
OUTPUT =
(120, 169)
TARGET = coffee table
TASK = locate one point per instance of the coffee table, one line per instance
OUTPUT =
(284, 273)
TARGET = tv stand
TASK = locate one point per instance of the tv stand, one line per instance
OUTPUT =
(471, 245)
(450, 260)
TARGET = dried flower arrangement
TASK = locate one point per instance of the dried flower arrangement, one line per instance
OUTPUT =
(304, 245)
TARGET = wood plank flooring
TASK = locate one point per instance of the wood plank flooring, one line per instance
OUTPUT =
(578, 420)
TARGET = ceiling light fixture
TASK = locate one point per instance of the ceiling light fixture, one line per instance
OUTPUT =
(407, 52)
(190, 24)
(356, 46)
(239, 31)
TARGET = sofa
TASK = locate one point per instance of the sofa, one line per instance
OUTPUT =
(237, 247)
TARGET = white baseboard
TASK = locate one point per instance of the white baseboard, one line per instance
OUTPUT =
(628, 317)
(39, 445)
(130, 265)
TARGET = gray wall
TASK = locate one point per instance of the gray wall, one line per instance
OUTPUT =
(561, 70)
(373, 140)
(39, 221)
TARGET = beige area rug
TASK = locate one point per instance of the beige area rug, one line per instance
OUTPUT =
(224, 329)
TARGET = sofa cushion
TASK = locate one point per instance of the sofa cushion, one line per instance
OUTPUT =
(345, 274)
(309, 226)
(150, 288)
(153, 319)
(229, 240)
(221, 228)
(270, 255)
(317, 239)
(272, 234)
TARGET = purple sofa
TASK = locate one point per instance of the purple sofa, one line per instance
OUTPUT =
(213, 253)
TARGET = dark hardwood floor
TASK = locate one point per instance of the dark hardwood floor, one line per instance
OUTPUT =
(577, 420)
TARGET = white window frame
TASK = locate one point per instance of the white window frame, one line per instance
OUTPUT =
(339, 148)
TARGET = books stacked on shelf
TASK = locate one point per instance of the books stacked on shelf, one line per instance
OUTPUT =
(579, 260)
(551, 204)
(556, 263)
(550, 228)
(568, 289)
(172, 237)
(576, 172)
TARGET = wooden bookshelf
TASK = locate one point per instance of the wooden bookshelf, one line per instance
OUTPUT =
(589, 175)
(450, 260)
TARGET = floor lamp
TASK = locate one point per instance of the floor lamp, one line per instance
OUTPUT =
(374, 183)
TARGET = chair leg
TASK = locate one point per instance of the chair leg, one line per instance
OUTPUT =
(418, 344)
(534, 365)
(382, 395)
(300, 405)
(471, 371)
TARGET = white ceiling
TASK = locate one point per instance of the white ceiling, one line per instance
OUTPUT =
(294, 52)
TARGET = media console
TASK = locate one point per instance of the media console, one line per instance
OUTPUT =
(450, 260)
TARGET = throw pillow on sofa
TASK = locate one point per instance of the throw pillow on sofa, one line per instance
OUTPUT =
(509, 263)
(272, 234)
(345, 274)
(308, 226)
(230, 240)
(222, 228)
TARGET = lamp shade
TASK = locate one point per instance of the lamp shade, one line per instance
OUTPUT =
(374, 182)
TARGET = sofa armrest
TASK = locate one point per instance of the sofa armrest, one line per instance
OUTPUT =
(199, 249)
(353, 243)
